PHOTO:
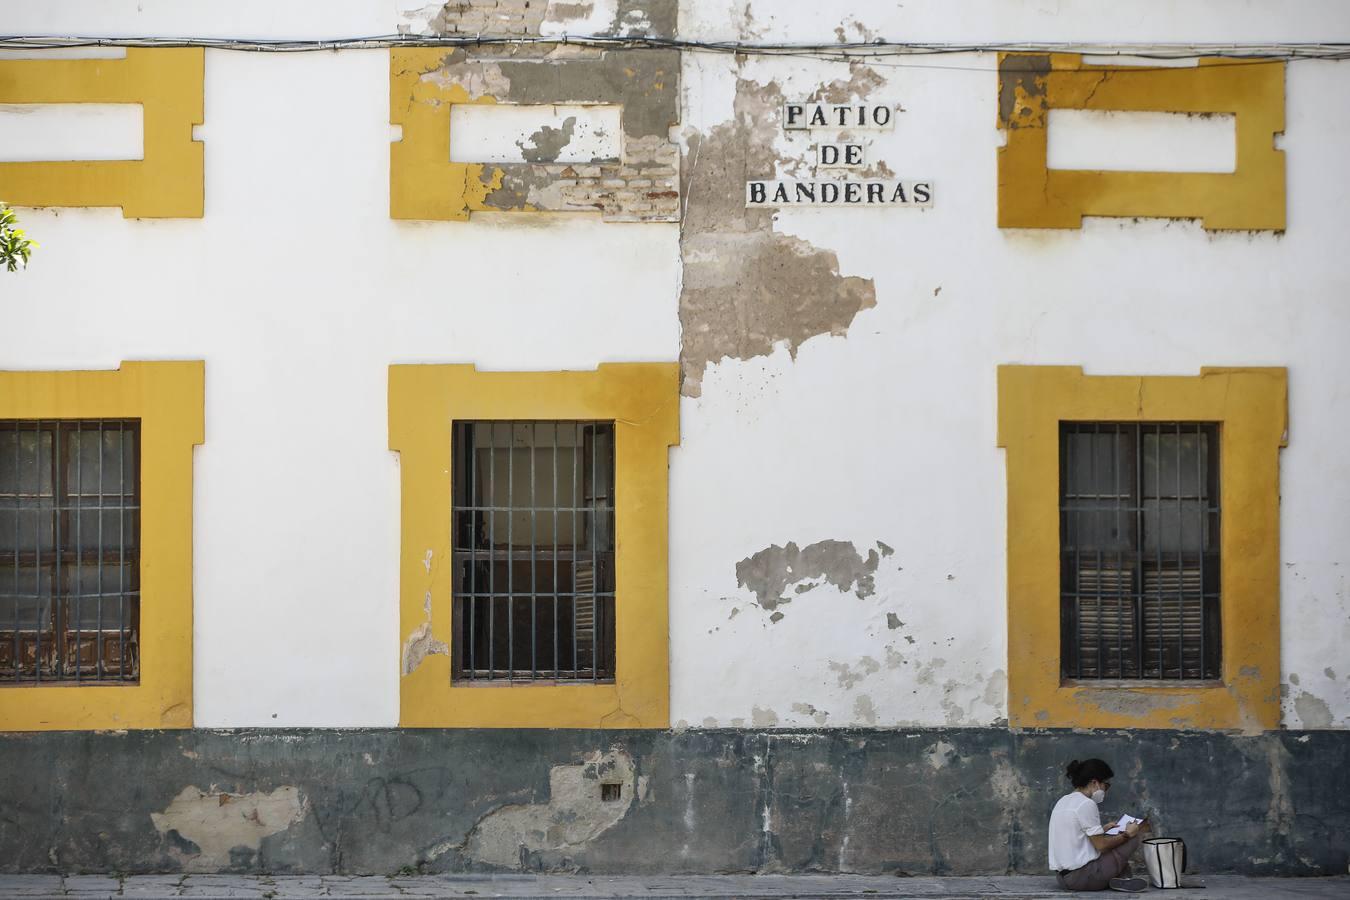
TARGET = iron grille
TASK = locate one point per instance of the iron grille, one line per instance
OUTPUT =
(70, 532)
(533, 551)
(1139, 551)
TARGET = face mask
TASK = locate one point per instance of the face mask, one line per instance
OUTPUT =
(1098, 796)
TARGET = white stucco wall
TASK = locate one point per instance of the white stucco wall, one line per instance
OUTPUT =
(298, 291)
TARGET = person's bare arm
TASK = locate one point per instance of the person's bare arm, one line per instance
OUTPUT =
(1104, 842)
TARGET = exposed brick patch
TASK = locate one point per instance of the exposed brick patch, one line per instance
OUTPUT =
(642, 187)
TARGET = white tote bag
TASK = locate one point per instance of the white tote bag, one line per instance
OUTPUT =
(1166, 860)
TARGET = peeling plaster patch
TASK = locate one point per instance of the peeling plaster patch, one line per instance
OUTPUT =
(996, 691)
(848, 677)
(769, 572)
(861, 82)
(940, 755)
(573, 816)
(419, 646)
(952, 712)
(861, 33)
(1312, 711)
(206, 829)
(863, 710)
(709, 722)
(1022, 87)
(747, 288)
(547, 143)
(819, 716)
(641, 185)
(548, 18)
(927, 673)
(1330, 673)
(1293, 678)
(478, 78)
(893, 621)
(586, 17)
(763, 718)
(1008, 785)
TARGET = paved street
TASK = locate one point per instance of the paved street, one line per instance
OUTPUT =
(286, 887)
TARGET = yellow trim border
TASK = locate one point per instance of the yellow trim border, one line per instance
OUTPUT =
(1250, 406)
(1031, 195)
(643, 401)
(423, 182)
(168, 398)
(167, 182)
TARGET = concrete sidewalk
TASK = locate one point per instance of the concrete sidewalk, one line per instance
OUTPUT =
(295, 887)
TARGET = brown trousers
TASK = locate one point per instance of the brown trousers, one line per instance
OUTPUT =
(1097, 875)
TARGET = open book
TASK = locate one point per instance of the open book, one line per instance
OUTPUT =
(1125, 819)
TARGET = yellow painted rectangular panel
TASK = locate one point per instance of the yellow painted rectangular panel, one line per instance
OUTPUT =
(168, 399)
(1031, 195)
(642, 399)
(166, 183)
(1250, 407)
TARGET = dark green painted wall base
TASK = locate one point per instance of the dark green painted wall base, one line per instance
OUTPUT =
(939, 801)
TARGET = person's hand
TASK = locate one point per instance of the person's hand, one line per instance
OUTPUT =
(1132, 829)
(1109, 825)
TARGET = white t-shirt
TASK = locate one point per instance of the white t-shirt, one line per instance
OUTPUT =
(1074, 818)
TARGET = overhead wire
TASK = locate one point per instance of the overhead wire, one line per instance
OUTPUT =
(882, 52)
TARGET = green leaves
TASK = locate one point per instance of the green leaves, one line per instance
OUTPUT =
(14, 247)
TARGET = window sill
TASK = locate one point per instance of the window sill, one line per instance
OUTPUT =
(1119, 684)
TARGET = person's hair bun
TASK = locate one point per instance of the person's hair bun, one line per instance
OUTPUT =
(1073, 770)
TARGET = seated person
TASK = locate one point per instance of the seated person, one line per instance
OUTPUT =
(1082, 855)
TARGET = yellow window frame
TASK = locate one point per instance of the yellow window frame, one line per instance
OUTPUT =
(167, 398)
(1250, 407)
(1032, 195)
(642, 399)
(167, 82)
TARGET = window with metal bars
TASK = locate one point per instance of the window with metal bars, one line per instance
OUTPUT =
(1139, 550)
(70, 542)
(533, 552)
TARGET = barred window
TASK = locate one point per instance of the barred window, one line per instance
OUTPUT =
(70, 540)
(1139, 551)
(533, 554)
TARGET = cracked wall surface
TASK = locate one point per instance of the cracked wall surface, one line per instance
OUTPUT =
(962, 801)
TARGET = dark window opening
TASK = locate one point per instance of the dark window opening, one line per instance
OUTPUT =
(533, 554)
(610, 793)
(1139, 551)
(70, 521)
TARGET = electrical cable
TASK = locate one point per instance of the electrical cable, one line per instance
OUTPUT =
(874, 51)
